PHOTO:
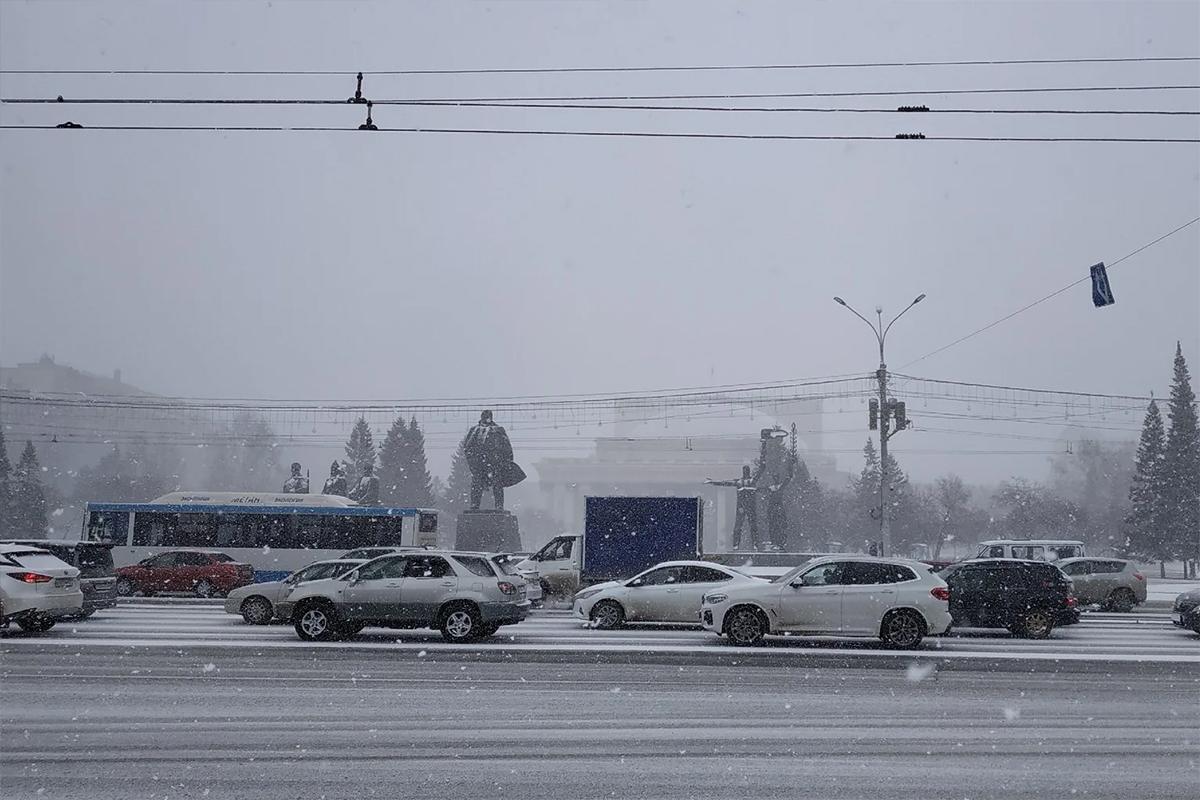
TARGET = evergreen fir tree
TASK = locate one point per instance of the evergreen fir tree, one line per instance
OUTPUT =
(28, 515)
(1142, 532)
(392, 462)
(5, 483)
(864, 523)
(360, 450)
(1181, 467)
(418, 483)
(458, 486)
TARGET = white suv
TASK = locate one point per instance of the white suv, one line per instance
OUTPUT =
(36, 588)
(896, 600)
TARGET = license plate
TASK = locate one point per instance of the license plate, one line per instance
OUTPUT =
(64, 583)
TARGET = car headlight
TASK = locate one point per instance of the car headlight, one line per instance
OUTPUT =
(586, 593)
(713, 599)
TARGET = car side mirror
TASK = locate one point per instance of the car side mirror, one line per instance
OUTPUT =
(637, 582)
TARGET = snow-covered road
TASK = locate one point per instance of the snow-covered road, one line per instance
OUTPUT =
(1139, 637)
(251, 713)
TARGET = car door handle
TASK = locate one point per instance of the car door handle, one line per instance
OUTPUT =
(395, 585)
(830, 591)
(447, 583)
(672, 590)
(887, 591)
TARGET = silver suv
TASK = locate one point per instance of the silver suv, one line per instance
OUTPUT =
(464, 595)
(1111, 583)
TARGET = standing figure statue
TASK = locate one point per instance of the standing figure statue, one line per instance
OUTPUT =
(490, 457)
(779, 464)
(747, 505)
(336, 482)
(366, 491)
(297, 484)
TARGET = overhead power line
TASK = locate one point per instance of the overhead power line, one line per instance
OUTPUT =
(1050, 296)
(607, 134)
(660, 68)
(195, 101)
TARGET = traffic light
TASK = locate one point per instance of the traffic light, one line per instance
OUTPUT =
(873, 415)
(901, 414)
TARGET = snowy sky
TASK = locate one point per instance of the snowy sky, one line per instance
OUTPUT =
(356, 266)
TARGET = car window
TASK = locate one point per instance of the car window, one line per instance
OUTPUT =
(704, 575)
(662, 576)
(92, 557)
(858, 573)
(427, 567)
(221, 557)
(1076, 568)
(829, 574)
(507, 565)
(1108, 567)
(476, 565)
(1061, 551)
(192, 559)
(383, 568)
(995, 551)
(1033, 552)
(162, 560)
(559, 551)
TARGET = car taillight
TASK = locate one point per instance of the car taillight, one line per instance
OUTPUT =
(1139, 576)
(940, 592)
(30, 577)
(1071, 601)
(506, 587)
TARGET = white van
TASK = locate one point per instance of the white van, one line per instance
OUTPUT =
(559, 563)
(1032, 549)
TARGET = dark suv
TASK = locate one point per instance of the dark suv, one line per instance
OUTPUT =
(1029, 598)
(94, 561)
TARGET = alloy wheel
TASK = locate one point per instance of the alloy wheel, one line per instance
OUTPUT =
(903, 630)
(459, 624)
(314, 622)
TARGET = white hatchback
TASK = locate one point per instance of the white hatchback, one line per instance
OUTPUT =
(667, 592)
(896, 600)
(36, 588)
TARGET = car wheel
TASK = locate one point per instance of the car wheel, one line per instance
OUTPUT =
(1037, 623)
(608, 614)
(903, 630)
(204, 588)
(460, 623)
(257, 610)
(1122, 600)
(316, 622)
(745, 626)
(126, 587)
(36, 623)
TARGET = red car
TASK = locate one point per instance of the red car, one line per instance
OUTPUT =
(206, 573)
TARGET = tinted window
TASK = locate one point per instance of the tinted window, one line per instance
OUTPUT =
(1059, 551)
(1076, 568)
(476, 565)
(861, 572)
(1108, 567)
(220, 557)
(703, 575)
(507, 565)
(92, 557)
(36, 561)
(427, 567)
(162, 560)
(196, 559)
(383, 568)
(995, 551)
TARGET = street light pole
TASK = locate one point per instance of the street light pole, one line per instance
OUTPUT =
(885, 483)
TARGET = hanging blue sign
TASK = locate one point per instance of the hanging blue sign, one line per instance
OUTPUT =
(1101, 292)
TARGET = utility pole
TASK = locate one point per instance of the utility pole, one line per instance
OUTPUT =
(887, 411)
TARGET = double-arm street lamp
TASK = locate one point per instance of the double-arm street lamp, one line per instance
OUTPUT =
(881, 332)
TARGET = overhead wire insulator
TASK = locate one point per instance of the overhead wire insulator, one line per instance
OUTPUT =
(913, 108)
(369, 125)
(68, 124)
(358, 95)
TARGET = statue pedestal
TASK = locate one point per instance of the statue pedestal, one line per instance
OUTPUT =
(487, 530)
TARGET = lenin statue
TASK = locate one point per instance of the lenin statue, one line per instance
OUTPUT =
(489, 455)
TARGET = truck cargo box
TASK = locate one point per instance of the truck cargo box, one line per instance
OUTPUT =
(625, 535)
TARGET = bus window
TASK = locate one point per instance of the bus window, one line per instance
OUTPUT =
(152, 528)
(1031, 552)
(108, 526)
(192, 530)
(309, 534)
